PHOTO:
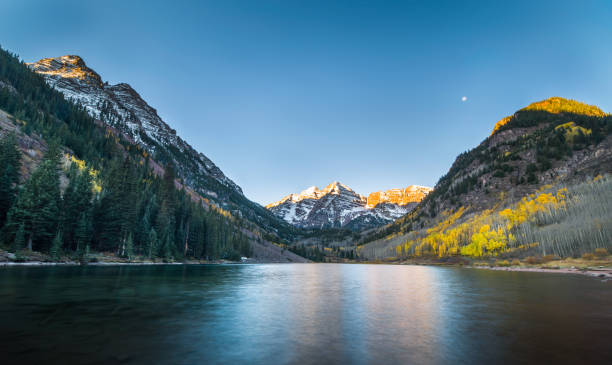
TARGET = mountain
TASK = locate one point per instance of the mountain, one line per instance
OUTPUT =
(338, 206)
(539, 184)
(122, 109)
(75, 179)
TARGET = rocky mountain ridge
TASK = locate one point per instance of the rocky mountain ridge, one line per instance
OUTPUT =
(338, 206)
(121, 108)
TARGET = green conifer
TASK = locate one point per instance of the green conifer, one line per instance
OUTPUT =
(19, 242)
(56, 246)
(129, 247)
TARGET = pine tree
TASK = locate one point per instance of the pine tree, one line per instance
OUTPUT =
(153, 242)
(166, 219)
(115, 214)
(83, 255)
(10, 164)
(167, 249)
(56, 246)
(19, 242)
(129, 203)
(47, 199)
(82, 235)
(37, 205)
(129, 249)
(76, 200)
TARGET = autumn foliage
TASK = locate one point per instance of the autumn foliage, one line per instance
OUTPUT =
(552, 222)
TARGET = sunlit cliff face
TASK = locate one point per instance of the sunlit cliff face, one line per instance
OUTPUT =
(69, 66)
(411, 194)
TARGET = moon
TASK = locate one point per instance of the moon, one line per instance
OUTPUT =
(464, 98)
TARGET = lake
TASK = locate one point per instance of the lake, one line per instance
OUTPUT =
(301, 314)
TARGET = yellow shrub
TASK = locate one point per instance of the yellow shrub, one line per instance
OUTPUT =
(588, 256)
(502, 263)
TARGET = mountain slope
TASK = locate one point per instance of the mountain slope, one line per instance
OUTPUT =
(121, 107)
(524, 165)
(338, 206)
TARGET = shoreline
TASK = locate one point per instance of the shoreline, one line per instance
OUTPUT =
(600, 268)
(123, 263)
(45, 263)
(602, 273)
(34, 259)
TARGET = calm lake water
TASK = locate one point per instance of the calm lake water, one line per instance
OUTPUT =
(301, 314)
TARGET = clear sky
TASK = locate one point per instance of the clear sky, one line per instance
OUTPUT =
(284, 94)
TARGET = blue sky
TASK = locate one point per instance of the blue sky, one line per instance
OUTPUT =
(283, 95)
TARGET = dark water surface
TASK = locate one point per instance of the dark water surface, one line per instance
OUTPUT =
(301, 314)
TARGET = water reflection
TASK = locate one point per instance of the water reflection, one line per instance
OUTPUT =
(306, 314)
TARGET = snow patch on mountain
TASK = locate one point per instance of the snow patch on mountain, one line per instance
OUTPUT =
(337, 205)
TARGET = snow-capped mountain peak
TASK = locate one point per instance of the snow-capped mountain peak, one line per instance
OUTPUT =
(337, 205)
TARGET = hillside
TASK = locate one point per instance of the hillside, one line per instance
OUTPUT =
(121, 108)
(540, 161)
(70, 183)
(338, 206)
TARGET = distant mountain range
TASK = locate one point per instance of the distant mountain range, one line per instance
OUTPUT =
(338, 206)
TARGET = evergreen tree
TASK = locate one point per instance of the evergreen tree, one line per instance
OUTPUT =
(83, 255)
(167, 248)
(153, 242)
(37, 205)
(129, 203)
(82, 235)
(19, 242)
(76, 200)
(56, 246)
(166, 218)
(129, 249)
(146, 214)
(115, 215)
(10, 164)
